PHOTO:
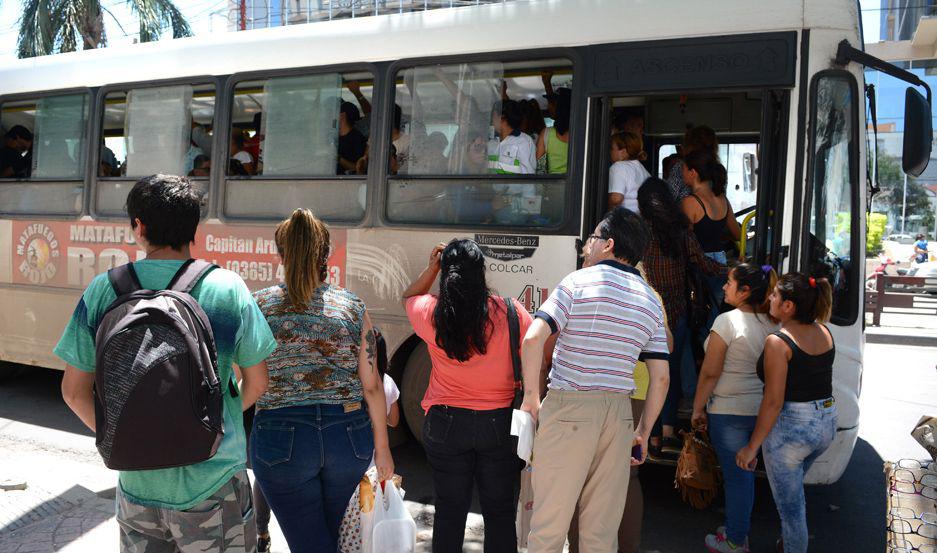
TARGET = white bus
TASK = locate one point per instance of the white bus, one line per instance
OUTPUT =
(787, 109)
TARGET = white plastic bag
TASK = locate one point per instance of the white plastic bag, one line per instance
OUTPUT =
(394, 527)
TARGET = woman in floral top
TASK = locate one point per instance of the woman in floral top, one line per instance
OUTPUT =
(323, 415)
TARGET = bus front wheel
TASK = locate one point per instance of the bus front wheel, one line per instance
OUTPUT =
(415, 380)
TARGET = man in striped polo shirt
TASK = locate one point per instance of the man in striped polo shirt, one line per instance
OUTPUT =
(607, 318)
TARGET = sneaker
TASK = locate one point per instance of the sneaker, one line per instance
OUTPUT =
(718, 543)
(263, 544)
(671, 445)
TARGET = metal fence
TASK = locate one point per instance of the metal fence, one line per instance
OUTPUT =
(259, 14)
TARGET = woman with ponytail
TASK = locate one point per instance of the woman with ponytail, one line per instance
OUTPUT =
(466, 434)
(797, 418)
(324, 412)
(627, 172)
(728, 393)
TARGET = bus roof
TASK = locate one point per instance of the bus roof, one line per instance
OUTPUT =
(517, 25)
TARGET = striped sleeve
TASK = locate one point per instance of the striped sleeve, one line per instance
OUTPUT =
(656, 347)
(555, 311)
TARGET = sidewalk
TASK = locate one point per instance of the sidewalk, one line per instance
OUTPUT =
(79, 521)
(903, 329)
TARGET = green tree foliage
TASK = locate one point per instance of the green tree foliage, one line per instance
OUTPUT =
(888, 201)
(874, 232)
(53, 26)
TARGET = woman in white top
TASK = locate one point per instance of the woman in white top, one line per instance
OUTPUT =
(730, 391)
(240, 154)
(627, 173)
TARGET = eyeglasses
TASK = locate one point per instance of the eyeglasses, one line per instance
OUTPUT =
(595, 236)
(904, 481)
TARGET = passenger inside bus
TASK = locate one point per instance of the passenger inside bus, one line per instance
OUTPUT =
(240, 154)
(627, 172)
(201, 166)
(553, 142)
(16, 153)
(351, 142)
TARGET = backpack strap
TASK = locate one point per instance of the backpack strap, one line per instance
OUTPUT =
(190, 274)
(124, 279)
(514, 331)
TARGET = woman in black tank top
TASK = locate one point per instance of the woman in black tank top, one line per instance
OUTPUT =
(707, 179)
(797, 419)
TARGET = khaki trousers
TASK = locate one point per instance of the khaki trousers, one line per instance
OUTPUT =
(581, 455)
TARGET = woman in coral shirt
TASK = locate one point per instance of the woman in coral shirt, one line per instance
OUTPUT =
(468, 402)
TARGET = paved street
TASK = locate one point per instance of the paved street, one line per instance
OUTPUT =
(68, 504)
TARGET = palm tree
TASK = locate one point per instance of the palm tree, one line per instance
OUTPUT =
(51, 26)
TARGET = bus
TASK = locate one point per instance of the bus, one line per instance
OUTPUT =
(261, 122)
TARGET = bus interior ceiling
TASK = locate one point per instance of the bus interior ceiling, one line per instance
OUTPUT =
(734, 116)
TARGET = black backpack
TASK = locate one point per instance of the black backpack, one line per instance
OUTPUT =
(157, 396)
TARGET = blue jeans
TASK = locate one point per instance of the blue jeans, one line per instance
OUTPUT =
(308, 460)
(729, 434)
(802, 432)
(682, 375)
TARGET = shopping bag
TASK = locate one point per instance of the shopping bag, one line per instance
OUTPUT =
(697, 477)
(358, 521)
(525, 507)
(394, 527)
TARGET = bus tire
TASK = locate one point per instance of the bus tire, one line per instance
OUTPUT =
(415, 380)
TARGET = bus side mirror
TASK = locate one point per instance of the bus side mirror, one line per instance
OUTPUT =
(918, 133)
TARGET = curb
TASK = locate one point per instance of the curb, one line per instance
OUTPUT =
(900, 339)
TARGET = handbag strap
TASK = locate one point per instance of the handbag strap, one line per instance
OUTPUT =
(514, 331)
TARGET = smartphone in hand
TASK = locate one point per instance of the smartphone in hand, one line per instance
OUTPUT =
(636, 452)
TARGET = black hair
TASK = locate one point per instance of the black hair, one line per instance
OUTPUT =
(707, 166)
(759, 280)
(200, 159)
(19, 131)
(351, 112)
(667, 164)
(920, 236)
(169, 206)
(461, 315)
(812, 297)
(628, 232)
(398, 116)
(512, 113)
(665, 220)
(257, 121)
(238, 139)
(381, 346)
(561, 121)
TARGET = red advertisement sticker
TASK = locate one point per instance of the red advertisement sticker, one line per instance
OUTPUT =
(69, 254)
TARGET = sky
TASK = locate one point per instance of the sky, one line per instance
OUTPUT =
(206, 16)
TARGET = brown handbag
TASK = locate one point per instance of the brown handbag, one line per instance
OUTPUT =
(698, 477)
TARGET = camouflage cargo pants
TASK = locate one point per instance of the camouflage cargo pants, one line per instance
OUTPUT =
(223, 523)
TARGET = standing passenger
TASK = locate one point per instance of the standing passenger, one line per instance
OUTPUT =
(696, 138)
(205, 506)
(606, 318)
(313, 437)
(730, 392)
(351, 143)
(239, 154)
(669, 249)
(468, 402)
(627, 173)
(553, 142)
(710, 213)
(797, 418)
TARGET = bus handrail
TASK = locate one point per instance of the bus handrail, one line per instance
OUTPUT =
(743, 235)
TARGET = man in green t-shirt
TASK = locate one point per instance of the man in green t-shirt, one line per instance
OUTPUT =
(205, 506)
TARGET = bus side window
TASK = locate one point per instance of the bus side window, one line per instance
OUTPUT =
(507, 121)
(44, 140)
(832, 240)
(299, 140)
(157, 130)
